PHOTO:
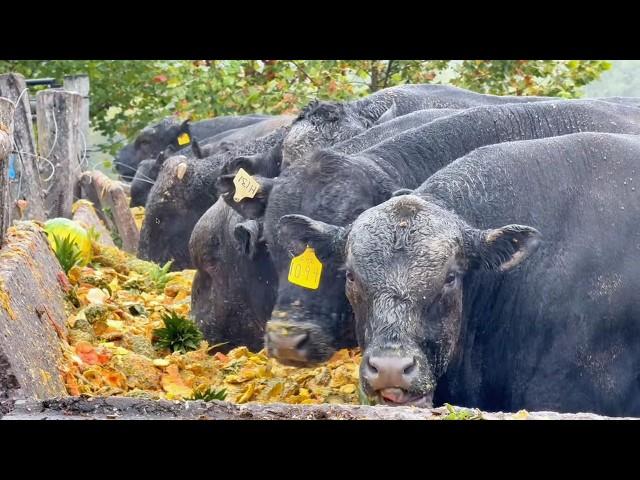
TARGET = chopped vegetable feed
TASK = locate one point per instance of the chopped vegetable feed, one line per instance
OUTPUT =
(121, 310)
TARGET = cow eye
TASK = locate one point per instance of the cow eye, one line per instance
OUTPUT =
(350, 276)
(451, 277)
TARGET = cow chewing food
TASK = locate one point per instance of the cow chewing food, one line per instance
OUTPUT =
(508, 280)
(336, 188)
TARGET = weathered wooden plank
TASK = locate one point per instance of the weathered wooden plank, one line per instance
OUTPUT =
(32, 317)
(109, 196)
(85, 214)
(6, 142)
(94, 195)
(27, 187)
(58, 140)
(126, 187)
(114, 408)
(80, 84)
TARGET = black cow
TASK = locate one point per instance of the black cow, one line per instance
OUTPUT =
(268, 164)
(228, 302)
(322, 124)
(231, 297)
(144, 179)
(508, 280)
(179, 197)
(227, 141)
(216, 144)
(337, 188)
(156, 138)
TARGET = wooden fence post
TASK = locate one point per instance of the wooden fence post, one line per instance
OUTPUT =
(27, 186)
(80, 84)
(108, 196)
(58, 113)
(6, 135)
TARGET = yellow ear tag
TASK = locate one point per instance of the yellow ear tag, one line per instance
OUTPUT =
(184, 139)
(246, 186)
(306, 270)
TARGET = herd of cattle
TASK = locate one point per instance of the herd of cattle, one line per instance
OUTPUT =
(481, 250)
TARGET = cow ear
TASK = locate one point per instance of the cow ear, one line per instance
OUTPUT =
(295, 232)
(266, 164)
(150, 131)
(162, 156)
(502, 248)
(196, 149)
(390, 114)
(247, 237)
(246, 162)
(224, 184)
(176, 131)
(247, 207)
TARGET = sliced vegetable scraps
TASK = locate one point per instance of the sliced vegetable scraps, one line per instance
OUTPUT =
(130, 334)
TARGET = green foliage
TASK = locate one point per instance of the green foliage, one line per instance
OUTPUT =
(144, 92)
(178, 335)
(557, 78)
(461, 413)
(209, 394)
(67, 252)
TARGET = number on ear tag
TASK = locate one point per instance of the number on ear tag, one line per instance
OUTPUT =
(306, 270)
(246, 186)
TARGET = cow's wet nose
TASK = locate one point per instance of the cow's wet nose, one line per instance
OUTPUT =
(382, 372)
(288, 347)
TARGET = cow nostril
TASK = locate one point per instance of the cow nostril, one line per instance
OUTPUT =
(286, 346)
(304, 341)
(371, 366)
(411, 367)
(390, 371)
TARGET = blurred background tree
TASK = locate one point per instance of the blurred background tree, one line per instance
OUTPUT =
(127, 95)
(621, 80)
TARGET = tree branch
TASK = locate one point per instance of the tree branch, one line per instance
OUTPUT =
(388, 74)
(305, 73)
(373, 86)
